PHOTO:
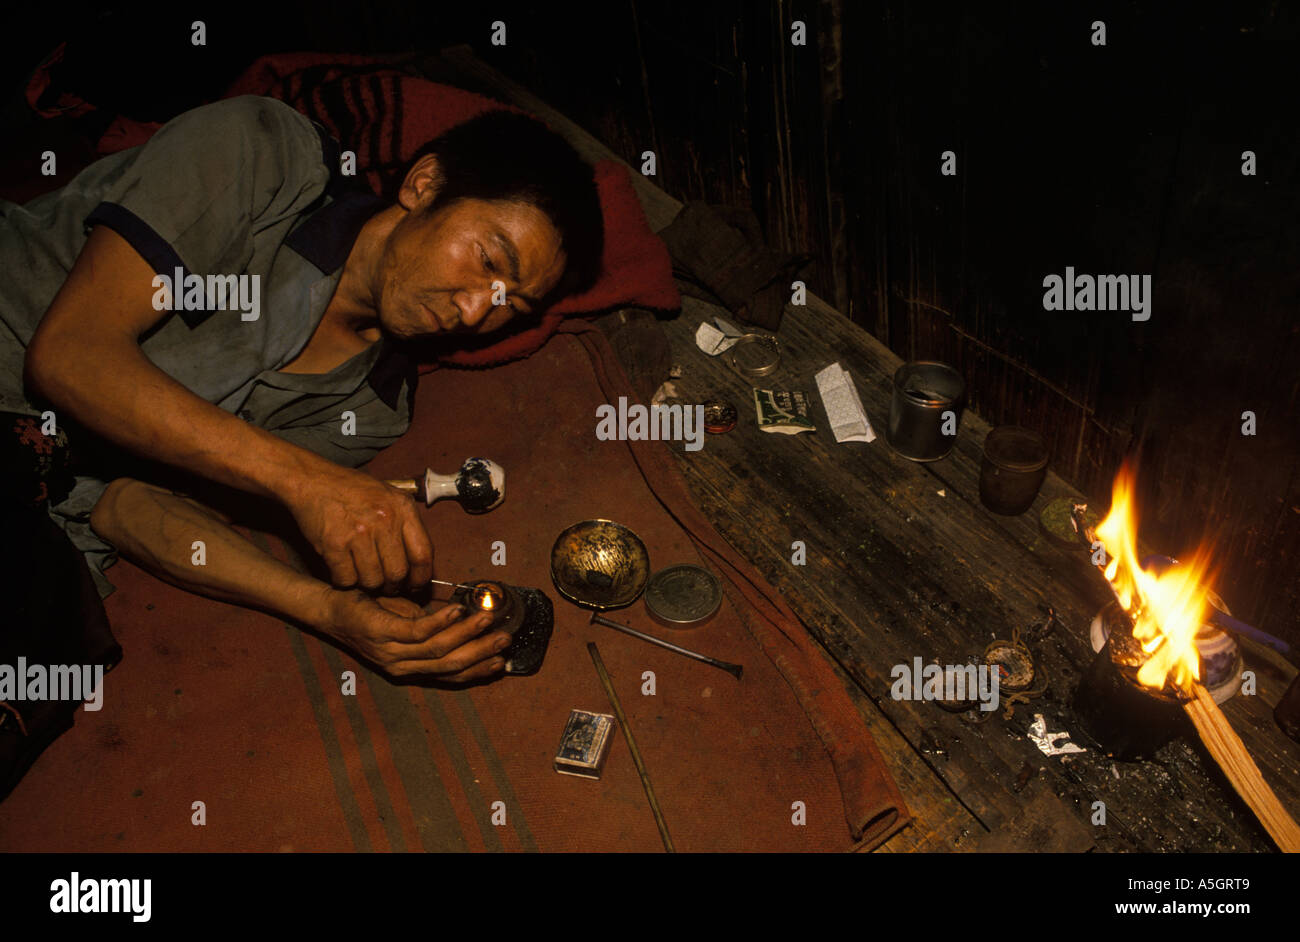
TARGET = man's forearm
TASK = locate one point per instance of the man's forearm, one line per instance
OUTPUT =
(157, 530)
(115, 391)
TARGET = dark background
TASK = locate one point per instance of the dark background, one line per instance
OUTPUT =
(1122, 159)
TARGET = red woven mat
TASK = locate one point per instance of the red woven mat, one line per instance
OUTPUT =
(232, 708)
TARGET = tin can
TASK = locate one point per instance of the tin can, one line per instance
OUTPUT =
(925, 410)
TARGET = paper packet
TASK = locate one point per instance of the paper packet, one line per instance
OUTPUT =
(782, 411)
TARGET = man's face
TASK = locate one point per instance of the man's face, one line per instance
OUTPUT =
(441, 269)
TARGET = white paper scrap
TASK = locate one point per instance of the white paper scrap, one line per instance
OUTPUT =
(1051, 744)
(713, 341)
(728, 328)
(844, 409)
(666, 391)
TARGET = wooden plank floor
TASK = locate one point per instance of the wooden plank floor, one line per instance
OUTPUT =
(896, 570)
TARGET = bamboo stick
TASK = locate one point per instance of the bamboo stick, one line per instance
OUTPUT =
(1230, 753)
(631, 745)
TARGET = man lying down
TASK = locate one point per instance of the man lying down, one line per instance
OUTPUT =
(246, 391)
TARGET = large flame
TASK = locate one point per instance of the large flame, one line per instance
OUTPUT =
(1168, 608)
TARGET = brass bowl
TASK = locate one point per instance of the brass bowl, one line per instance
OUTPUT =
(599, 564)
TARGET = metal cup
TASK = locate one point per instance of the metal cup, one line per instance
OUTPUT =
(924, 392)
(1013, 469)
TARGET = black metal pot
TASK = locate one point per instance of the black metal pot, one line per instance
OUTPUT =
(1126, 720)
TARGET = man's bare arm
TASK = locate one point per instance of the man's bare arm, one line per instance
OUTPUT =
(157, 529)
(85, 359)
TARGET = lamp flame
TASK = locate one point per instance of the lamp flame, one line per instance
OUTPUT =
(1167, 608)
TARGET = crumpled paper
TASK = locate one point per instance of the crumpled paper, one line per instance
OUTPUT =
(1047, 743)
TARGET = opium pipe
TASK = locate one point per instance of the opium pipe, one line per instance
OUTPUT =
(479, 485)
(631, 745)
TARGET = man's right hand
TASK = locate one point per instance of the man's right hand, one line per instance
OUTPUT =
(397, 636)
(155, 528)
(368, 533)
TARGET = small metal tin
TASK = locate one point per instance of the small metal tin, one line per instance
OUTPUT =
(719, 416)
(925, 394)
(683, 596)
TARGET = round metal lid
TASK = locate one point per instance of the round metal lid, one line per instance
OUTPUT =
(683, 596)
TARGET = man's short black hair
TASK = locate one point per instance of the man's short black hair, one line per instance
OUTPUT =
(510, 157)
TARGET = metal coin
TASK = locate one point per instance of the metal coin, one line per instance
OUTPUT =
(683, 596)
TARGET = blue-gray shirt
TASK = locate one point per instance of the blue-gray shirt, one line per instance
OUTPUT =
(248, 187)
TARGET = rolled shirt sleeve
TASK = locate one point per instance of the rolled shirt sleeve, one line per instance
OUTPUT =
(214, 183)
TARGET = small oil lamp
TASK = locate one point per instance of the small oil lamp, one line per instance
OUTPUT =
(501, 600)
(525, 614)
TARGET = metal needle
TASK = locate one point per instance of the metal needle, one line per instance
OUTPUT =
(734, 670)
(454, 585)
